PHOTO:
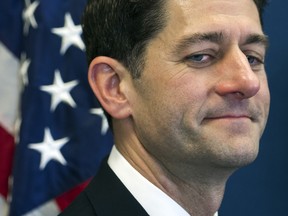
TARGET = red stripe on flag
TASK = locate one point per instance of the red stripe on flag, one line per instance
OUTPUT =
(65, 199)
(7, 148)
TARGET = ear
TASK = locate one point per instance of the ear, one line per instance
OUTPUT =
(105, 76)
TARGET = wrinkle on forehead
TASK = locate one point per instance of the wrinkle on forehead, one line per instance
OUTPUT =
(229, 7)
(187, 15)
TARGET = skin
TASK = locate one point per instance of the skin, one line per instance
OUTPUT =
(200, 107)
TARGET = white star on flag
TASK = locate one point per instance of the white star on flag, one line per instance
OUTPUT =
(105, 125)
(70, 34)
(28, 15)
(49, 149)
(60, 91)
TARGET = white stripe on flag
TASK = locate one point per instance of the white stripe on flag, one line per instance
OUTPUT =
(47, 209)
(9, 88)
(3, 207)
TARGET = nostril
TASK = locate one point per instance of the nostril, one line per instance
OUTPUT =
(241, 86)
(240, 94)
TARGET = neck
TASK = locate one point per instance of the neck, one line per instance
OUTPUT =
(199, 190)
(196, 197)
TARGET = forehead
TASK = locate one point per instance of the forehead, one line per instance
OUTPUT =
(235, 6)
(194, 16)
(232, 7)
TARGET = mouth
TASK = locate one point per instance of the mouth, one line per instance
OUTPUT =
(245, 113)
(230, 117)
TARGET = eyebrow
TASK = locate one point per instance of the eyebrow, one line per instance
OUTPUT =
(257, 39)
(217, 38)
(214, 37)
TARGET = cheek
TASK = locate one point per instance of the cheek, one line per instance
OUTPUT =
(170, 95)
(262, 101)
(264, 95)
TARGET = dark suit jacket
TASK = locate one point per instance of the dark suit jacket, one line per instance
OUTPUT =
(105, 196)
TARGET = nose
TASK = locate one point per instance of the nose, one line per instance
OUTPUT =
(236, 78)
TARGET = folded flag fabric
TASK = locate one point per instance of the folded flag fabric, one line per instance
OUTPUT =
(47, 107)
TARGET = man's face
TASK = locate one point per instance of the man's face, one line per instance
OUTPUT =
(203, 98)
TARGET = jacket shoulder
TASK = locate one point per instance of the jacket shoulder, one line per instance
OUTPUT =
(105, 195)
(80, 206)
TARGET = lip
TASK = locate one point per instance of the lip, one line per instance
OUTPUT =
(229, 117)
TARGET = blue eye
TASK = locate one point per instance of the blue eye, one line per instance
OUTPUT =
(253, 60)
(199, 58)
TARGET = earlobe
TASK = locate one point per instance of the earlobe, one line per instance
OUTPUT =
(105, 78)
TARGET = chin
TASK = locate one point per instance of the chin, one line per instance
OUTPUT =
(238, 154)
(239, 151)
(238, 159)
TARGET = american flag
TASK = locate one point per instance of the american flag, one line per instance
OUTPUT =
(53, 133)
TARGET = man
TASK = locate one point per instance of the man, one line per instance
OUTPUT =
(185, 90)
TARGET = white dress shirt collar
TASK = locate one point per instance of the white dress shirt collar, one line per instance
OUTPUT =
(150, 197)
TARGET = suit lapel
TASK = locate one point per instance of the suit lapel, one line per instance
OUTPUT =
(109, 196)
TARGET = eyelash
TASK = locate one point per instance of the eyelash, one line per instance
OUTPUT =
(199, 60)
(197, 56)
(258, 60)
(203, 60)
